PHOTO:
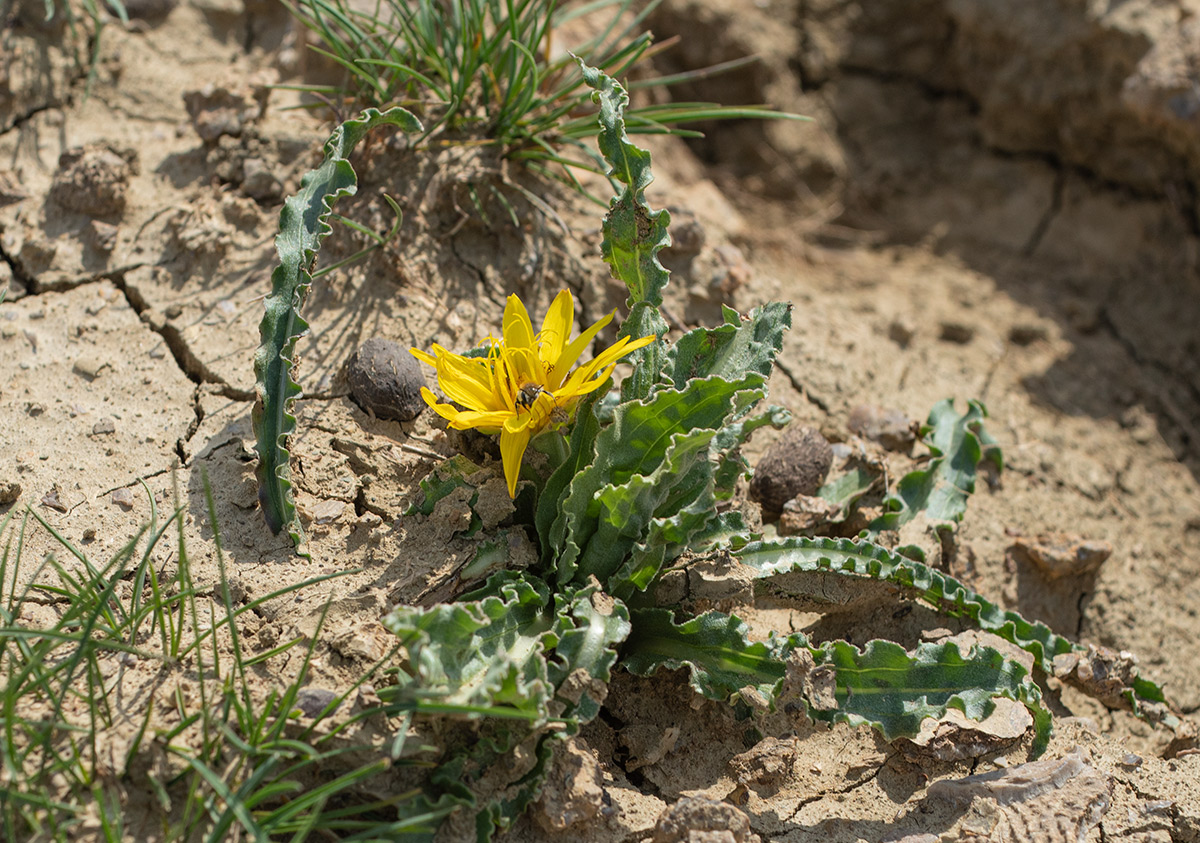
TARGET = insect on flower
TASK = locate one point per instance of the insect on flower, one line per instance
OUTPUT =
(525, 383)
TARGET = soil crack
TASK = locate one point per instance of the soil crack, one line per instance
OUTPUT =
(799, 386)
(1043, 224)
(192, 366)
(870, 777)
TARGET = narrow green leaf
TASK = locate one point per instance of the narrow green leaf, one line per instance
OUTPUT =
(633, 232)
(303, 223)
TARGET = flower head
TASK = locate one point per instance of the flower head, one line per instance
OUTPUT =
(526, 382)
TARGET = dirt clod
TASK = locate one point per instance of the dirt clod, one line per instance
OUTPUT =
(574, 790)
(695, 819)
(889, 427)
(956, 737)
(795, 465)
(767, 764)
(804, 513)
(104, 426)
(224, 109)
(92, 180)
(386, 380)
(1059, 555)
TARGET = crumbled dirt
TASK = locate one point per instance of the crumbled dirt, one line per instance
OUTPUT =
(994, 201)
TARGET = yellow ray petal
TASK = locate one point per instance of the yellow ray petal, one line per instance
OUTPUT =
(568, 356)
(518, 330)
(423, 356)
(606, 359)
(468, 382)
(514, 439)
(556, 327)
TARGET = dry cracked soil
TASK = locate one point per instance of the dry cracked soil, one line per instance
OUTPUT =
(993, 200)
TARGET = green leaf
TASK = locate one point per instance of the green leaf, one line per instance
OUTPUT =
(635, 444)
(715, 648)
(303, 223)
(851, 558)
(940, 490)
(741, 345)
(446, 476)
(844, 490)
(590, 626)
(881, 685)
(487, 655)
(633, 233)
(551, 528)
(507, 654)
(844, 557)
(894, 690)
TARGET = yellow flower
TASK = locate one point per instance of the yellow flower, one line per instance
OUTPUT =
(525, 382)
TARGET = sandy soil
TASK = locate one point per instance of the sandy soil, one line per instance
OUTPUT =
(942, 231)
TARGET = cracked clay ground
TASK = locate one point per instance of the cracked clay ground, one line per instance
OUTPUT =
(926, 253)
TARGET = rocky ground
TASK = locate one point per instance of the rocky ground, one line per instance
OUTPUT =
(993, 201)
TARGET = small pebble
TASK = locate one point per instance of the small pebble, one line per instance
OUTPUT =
(104, 426)
(386, 379)
(51, 500)
(123, 498)
(326, 512)
(312, 701)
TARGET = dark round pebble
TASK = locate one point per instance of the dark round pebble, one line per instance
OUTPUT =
(312, 701)
(386, 379)
(795, 465)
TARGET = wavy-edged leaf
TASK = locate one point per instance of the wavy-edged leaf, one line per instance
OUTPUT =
(633, 446)
(624, 513)
(893, 690)
(716, 649)
(881, 685)
(486, 656)
(590, 627)
(633, 233)
(536, 672)
(940, 490)
(741, 345)
(551, 528)
(851, 558)
(303, 223)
